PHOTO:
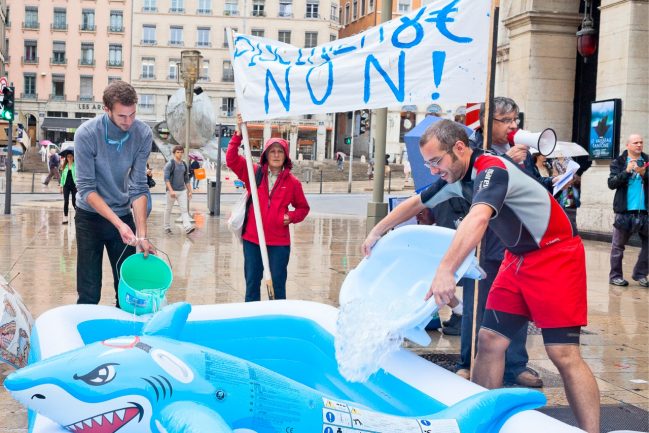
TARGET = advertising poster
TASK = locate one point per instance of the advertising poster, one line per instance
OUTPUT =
(604, 129)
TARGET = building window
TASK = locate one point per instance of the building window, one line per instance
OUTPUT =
(31, 17)
(285, 8)
(58, 53)
(404, 6)
(148, 35)
(225, 36)
(176, 36)
(362, 11)
(355, 10)
(58, 87)
(30, 85)
(60, 21)
(111, 79)
(227, 107)
(203, 37)
(7, 20)
(57, 114)
(148, 68)
(231, 8)
(116, 21)
(205, 71)
(88, 20)
(87, 54)
(204, 7)
(310, 39)
(334, 13)
(284, 36)
(177, 6)
(228, 72)
(85, 90)
(173, 69)
(312, 8)
(347, 12)
(370, 6)
(31, 52)
(257, 32)
(146, 103)
(150, 6)
(258, 8)
(332, 37)
(115, 55)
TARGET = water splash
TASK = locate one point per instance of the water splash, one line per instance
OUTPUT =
(367, 332)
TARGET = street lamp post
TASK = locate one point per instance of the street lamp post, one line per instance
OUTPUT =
(189, 67)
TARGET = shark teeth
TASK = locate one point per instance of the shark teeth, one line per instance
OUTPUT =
(106, 422)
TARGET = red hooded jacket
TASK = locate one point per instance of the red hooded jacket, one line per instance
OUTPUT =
(273, 204)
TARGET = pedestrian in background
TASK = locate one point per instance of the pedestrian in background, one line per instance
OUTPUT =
(193, 166)
(53, 164)
(628, 178)
(111, 153)
(277, 189)
(68, 184)
(176, 175)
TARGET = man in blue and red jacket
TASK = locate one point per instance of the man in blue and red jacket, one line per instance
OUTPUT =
(277, 189)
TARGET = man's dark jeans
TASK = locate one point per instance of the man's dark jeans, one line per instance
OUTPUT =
(94, 232)
(620, 239)
(516, 356)
(253, 269)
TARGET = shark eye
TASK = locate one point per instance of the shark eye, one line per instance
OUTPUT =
(99, 376)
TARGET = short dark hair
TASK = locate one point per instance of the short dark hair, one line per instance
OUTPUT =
(447, 133)
(119, 91)
(501, 105)
(176, 148)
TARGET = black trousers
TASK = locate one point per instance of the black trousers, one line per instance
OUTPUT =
(94, 233)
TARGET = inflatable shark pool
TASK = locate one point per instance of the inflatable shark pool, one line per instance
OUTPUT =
(246, 368)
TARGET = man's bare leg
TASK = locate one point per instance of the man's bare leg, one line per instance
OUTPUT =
(489, 364)
(580, 385)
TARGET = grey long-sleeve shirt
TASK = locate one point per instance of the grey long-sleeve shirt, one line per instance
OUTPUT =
(116, 173)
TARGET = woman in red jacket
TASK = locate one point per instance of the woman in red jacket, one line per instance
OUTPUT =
(277, 190)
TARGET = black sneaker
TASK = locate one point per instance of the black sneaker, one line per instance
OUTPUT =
(643, 282)
(618, 281)
(453, 325)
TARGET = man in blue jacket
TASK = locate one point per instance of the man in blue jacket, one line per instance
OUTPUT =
(111, 151)
(629, 180)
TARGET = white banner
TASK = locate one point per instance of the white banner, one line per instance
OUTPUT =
(437, 53)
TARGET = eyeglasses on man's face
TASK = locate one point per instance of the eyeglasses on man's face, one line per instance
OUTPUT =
(508, 120)
(434, 162)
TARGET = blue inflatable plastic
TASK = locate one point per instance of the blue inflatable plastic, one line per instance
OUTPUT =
(155, 382)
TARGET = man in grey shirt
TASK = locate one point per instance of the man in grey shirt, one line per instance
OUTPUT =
(176, 175)
(111, 151)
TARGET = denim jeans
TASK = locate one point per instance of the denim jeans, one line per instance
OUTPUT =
(516, 356)
(620, 239)
(253, 269)
(94, 232)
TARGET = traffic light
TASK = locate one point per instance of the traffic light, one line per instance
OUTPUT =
(365, 122)
(348, 140)
(7, 104)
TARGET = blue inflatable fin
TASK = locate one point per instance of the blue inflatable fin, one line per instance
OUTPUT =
(487, 411)
(169, 321)
(189, 417)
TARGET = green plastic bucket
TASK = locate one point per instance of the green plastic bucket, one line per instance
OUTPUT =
(143, 283)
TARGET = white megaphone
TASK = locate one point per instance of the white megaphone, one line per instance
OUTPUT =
(544, 141)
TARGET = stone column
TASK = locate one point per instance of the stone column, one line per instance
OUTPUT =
(541, 62)
(622, 72)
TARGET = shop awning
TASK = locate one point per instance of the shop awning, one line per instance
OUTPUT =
(61, 124)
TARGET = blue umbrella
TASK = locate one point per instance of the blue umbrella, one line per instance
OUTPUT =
(421, 175)
(17, 150)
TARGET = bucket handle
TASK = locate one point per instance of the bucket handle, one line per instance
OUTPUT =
(141, 239)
